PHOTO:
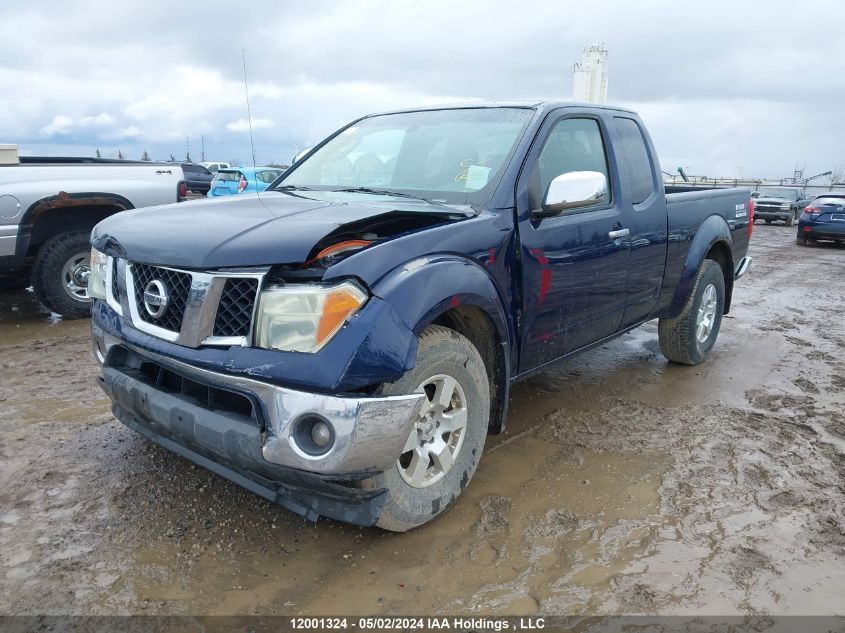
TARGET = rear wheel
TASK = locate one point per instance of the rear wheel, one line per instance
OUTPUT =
(768, 221)
(689, 337)
(801, 241)
(790, 220)
(444, 447)
(60, 275)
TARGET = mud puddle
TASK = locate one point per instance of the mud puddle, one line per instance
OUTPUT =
(623, 485)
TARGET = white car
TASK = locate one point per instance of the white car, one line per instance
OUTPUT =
(214, 167)
(48, 207)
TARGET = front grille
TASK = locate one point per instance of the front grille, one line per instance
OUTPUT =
(234, 313)
(178, 286)
(115, 286)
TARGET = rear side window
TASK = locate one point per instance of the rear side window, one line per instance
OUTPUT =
(229, 175)
(633, 157)
(572, 145)
(829, 201)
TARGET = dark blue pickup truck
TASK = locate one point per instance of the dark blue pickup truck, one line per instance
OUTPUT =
(343, 343)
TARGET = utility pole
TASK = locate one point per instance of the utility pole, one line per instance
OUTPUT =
(202, 152)
(188, 149)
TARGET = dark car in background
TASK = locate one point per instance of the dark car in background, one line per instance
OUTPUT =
(197, 178)
(783, 204)
(823, 219)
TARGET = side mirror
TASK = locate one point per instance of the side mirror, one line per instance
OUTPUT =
(573, 190)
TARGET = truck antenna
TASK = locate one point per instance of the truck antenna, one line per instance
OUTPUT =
(249, 117)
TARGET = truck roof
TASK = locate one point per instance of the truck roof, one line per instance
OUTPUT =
(540, 106)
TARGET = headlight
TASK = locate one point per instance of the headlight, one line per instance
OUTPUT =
(97, 278)
(303, 318)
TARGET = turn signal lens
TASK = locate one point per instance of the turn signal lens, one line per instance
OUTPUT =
(337, 307)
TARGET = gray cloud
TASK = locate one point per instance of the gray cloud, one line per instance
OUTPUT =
(724, 87)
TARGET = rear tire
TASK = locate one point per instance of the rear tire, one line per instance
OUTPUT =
(790, 220)
(801, 241)
(60, 275)
(768, 221)
(689, 337)
(421, 488)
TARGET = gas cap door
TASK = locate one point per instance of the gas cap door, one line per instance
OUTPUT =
(9, 206)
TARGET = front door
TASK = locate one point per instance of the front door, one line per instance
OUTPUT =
(574, 267)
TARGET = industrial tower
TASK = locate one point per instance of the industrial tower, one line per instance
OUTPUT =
(589, 76)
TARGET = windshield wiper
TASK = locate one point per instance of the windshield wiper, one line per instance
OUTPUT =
(380, 192)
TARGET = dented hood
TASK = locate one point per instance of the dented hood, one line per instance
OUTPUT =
(243, 230)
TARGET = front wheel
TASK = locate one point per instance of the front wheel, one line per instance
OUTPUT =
(689, 337)
(60, 275)
(444, 447)
(801, 241)
(790, 220)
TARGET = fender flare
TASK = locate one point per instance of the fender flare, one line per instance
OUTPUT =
(63, 200)
(713, 230)
(417, 291)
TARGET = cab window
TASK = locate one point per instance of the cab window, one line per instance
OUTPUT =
(572, 145)
(633, 158)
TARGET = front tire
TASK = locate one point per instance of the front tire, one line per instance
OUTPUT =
(790, 220)
(689, 337)
(801, 241)
(60, 275)
(443, 450)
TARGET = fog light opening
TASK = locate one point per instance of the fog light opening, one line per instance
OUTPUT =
(314, 435)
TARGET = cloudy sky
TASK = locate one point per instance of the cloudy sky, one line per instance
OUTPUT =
(726, 88)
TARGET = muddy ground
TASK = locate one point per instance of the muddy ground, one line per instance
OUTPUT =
(623, 485)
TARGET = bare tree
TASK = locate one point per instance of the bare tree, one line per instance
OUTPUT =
(145, 157)
(120, 155)
(98, 154)
(837, 174)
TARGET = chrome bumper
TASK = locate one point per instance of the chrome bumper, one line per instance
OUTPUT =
(742, 267)
(369, 432)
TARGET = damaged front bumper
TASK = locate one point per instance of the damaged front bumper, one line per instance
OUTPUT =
(247, 430)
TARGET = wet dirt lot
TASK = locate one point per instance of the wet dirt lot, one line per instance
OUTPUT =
(622, 485)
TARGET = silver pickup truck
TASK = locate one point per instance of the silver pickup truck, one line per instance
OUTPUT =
(48, 207)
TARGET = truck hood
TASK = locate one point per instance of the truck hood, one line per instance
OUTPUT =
(243, 230)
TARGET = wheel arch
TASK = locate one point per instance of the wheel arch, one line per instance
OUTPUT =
(711, 241)
(65, 213)
(469, 303)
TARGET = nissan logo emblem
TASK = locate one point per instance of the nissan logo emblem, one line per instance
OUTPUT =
(155, 298)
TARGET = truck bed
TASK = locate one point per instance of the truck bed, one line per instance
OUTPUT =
(688, 211)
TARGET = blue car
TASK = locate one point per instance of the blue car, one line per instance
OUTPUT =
(229, 182)
(823, 219)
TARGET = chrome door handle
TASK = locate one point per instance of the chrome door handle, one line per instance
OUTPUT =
(615, 235)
